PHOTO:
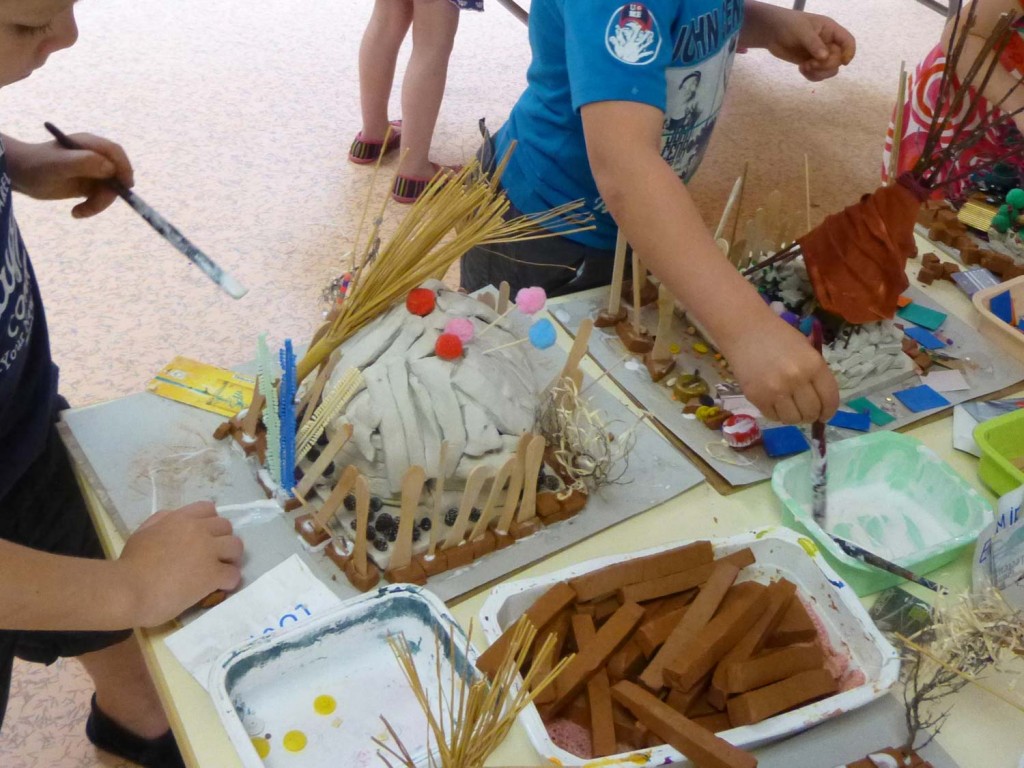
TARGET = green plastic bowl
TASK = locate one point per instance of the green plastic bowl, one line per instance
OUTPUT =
(1001, 439)
(890, 494)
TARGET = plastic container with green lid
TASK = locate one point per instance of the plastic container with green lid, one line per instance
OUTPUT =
(1001, 441)
(890, 494)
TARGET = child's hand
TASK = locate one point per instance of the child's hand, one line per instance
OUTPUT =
(50, 172)
(784, 376)
(817, 44)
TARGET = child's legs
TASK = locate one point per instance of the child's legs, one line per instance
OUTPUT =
(377, 55)
(124, 689)
(433, 33)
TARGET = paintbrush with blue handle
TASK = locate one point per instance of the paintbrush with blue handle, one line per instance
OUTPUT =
(854, 550)
(169, 232)
(819, 459)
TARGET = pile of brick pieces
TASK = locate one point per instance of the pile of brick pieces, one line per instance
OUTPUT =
(944, 227)
(672, 648)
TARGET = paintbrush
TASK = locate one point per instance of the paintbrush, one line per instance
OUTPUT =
(853, 550)
(819, 460)
(169, 232)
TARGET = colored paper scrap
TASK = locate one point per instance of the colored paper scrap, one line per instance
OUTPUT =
(203, 386)
(1001, 305)
(970, 281)
(878, 417)
(859, 421)
(926, 339)
(921, 398)
(784, 441)
(931, 319)
(946, 381)
(902, 301)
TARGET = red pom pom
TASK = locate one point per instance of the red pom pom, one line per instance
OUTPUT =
(421, 301)
(448, 346)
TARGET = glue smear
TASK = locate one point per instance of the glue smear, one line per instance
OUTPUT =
(891, 524)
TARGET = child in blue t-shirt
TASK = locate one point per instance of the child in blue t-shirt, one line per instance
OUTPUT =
(620, 103)
(58, 596)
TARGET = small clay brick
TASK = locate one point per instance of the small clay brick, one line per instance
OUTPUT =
(502, 540)
(923, 360)
(605, 608)
(589, 660)
(574, 502)
(578, 712)
(602, 724)
(562, 514)
(928, 276)
(700, 656)
(716, 722)
(628, 661)
(544, 610)
(755, 706)
(548, 504)
(525, 528)
(459, 555)
(483, 544)
(309, 531)
(627, 729)
(291, 504)
(653, 633)
(930, 258)
(362, 581)
(948, 270)
(605, 581)
(648, 292)
(779, 595)
(432, 565)
(743, 676)
(542, 668)
(700, 705)
(606, 319)
(681, 581)
(336, 556)
(702, 747)
(796, 626)
(683, 701)
(223, 430)
(407, 574)
(655, 608)
(970, 256)
(697, 615)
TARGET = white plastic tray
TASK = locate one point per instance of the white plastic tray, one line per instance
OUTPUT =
(779, 552)
(269, 685)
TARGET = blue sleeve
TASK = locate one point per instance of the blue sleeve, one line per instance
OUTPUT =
(618, 51)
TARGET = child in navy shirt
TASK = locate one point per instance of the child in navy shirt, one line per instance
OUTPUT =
(620, 103)
(58, 596)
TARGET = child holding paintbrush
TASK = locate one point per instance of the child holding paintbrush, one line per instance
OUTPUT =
(614, 113)
(58, 596)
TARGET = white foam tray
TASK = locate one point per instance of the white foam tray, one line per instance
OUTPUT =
(779, 552)
(268, 685)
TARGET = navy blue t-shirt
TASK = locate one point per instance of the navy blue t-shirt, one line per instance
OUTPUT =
(675, 55)
(28, 377)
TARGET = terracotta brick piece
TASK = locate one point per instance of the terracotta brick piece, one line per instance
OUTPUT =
(755, 706)
(603, 582)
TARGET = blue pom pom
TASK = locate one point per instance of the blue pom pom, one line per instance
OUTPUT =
(542, 334)
(807, 325)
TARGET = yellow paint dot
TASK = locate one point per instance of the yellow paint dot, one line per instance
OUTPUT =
(675, 349)
(809, 546)
(700, 347)
(324, 704)
(294, 741)
(262, 746)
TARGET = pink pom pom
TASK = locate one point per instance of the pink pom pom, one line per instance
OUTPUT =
(461, 327)
(529, 301)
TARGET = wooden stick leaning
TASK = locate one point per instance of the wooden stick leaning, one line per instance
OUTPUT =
(334, 502)
(501, 479)
(735, 255)
(503, 293)
(897, 126)
(639, 278)
(358, 561)
(515, 486)
(412, 488)
(311, 399)
(618, 272)
(314, 473)
(252, 415)
(534, 460)
(474, 483)
(436, 517)
(666, 306)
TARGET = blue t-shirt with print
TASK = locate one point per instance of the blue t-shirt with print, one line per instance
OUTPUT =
(675, 55)
(28, 377)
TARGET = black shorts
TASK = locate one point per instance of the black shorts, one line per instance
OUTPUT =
(45, 510)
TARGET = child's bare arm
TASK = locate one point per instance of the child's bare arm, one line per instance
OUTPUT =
(171, 563)
(47, 171)
(817, 44)
(777, 367)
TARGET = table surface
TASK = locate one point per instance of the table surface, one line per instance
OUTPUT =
(981, 730)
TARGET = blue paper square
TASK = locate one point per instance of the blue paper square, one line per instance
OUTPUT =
(926, 339)
(861, 422)
(922, 398)
(1001, 305)
(923, 316)
(784, 441)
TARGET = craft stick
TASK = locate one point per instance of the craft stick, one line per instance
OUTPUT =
(618, 271)
(666, 305)
(579, 347)
(362, 523)
(639, 277)
(252, 416)
(336, 499)
(314, 473)
(311, 398)
(333, 404)
(474, 483)
(412, 488)
(503, 292)
(435, 508)
(807, 188)
(897, 126)
(739, 210)
(534, 459)
(773, 212)
(730, 205)
(497, 485)
(515, 485)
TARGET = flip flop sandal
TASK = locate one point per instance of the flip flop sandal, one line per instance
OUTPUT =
(407, 189)
(364, 151)
(110, 736)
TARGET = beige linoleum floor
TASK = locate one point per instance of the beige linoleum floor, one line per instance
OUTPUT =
(238, 116)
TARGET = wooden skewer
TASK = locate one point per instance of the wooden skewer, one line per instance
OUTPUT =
(730, 204)
(639, 278)
(897, 127)
(807, 188)
(772, 221)
(515, 485)
(474, 483)
(312, 396)
(618, 270)
(497, 486)
(362, 524)
(666, 305)
(734, 252)
(503, 293)
(412, 488)
(341, 437)
(435, 508)
(335, 500)
(534, 459)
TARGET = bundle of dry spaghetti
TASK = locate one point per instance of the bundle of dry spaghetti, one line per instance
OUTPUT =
(468, 721)
(456, 212)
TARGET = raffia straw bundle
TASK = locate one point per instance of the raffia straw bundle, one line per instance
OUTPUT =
(473, 721)
(466, 204)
